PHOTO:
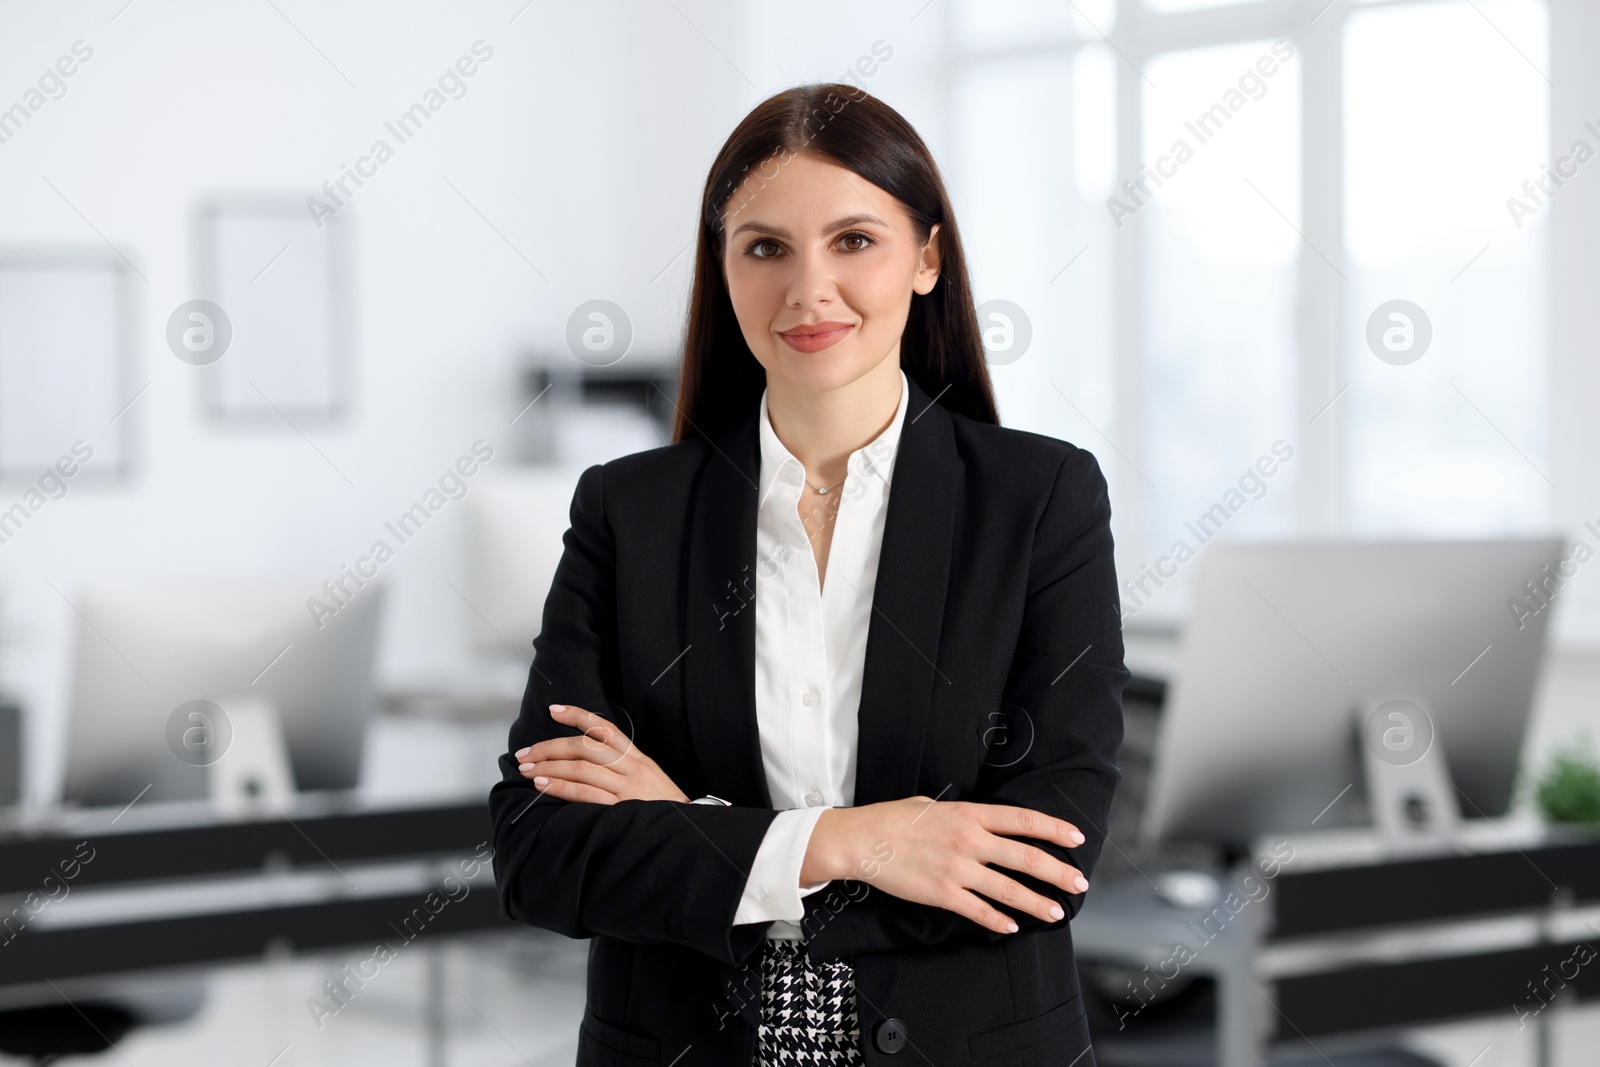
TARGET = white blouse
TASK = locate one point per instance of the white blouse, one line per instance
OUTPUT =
(811, 644)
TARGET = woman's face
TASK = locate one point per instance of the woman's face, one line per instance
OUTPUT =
(811, 244)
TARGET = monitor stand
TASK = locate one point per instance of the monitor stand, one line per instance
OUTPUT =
(1409, 789)
(253, 778)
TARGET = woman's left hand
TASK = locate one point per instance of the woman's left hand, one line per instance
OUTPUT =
(599, 766)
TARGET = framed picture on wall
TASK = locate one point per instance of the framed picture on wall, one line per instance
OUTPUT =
(67, 373)
(282, 280)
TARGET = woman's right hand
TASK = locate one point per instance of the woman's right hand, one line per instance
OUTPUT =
(934, 852)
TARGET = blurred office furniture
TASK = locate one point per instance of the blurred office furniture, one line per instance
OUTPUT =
(46, 1032)
(1350, 939)
(171, 885)
(578, 414)
(254, 777)
(516, 517)
(1326, 961)
(149, 653)
(10, 752)
(282, 279)
(1290, 641)
(571, 415)
(66, 363)
(166, 889)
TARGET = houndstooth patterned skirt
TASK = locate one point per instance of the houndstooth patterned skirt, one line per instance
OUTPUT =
(808, 1010)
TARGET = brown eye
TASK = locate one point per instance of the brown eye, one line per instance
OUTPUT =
(867, 241)
(751, 250)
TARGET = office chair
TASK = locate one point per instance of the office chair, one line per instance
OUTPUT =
(45, 1034)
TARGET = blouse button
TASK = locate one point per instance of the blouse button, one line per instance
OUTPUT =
(814, 799)
(811, 698)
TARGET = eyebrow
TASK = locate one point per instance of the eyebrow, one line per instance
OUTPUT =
(836, 224)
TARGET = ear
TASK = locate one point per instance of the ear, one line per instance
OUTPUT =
(928, 269)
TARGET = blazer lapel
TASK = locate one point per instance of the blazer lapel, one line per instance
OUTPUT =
(719, 667)
(907, 604)
(902, 637)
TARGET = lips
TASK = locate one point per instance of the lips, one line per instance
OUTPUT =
(815, 336)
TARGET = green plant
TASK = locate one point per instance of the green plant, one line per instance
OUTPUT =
(1569, 789)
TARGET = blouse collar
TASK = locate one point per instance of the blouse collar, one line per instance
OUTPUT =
(874, 459)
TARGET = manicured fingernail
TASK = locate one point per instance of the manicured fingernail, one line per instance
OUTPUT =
(1077, 838)
(527, 767)
(1011, 928)
(558, 707)
(1056, 912)
(541, 781)
(1080, 885)
(522, 752)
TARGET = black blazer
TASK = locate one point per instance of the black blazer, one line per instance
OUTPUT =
(994, 672)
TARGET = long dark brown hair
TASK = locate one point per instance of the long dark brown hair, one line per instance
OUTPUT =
(941, 350)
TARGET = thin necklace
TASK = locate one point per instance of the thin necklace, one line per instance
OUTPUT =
(824, 489)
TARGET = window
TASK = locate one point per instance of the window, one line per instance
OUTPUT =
(1444, 120)
(1030, 199)
(1353, 160)
(1220, 246)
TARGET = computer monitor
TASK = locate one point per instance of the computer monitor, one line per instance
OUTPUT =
(516, 521)
(144, 649)
(1287, 639)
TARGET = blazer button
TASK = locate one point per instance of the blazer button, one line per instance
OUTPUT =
(889, 1035)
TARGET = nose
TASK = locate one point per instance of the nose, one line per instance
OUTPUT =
(811, 281)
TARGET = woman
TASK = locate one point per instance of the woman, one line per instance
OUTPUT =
(820, 735)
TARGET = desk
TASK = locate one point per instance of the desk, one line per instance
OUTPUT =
(170, 885)
(1343, 942)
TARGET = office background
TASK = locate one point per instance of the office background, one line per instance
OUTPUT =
(1180, 313)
